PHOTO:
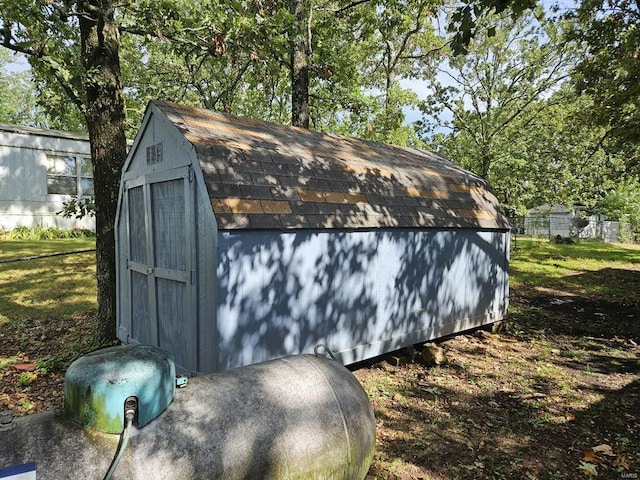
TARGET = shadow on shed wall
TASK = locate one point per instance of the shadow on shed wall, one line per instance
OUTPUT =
(363, 293)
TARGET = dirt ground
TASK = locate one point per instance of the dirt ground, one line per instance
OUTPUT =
(33, 360)
(555, 395)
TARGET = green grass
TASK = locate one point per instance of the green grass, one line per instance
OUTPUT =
(583, 267)
(10, 249)
(58, 287)
(523, 385)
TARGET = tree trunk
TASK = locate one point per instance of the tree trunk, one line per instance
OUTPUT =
(300, 53)
(486, 160)
(105, 115)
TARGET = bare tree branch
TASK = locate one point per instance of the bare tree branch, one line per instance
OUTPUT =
(340, 11)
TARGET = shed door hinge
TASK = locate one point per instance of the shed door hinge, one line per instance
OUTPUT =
(190, 175)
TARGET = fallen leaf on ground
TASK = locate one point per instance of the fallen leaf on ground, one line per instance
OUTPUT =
(589, 455)
(622, 462)
(604, 449)
(25, 367)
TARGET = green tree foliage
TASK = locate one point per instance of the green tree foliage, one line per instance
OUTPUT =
(18, 99)
(555, 156)
(225, 56)
(622, 203)
(467, 20)
(47, 33)
(392, 41)
(236, 57)
(610, 70)
(495, 95)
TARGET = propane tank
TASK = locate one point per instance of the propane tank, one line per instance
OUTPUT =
(298, 417)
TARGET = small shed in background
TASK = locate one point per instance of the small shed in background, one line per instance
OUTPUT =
(241, 241)
(549, 221)
(39, 170)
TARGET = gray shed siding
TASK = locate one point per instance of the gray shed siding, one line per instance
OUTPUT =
(164, 233)
(363, 293)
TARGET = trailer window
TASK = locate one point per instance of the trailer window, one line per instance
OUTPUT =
(85, 176)
(69, 175)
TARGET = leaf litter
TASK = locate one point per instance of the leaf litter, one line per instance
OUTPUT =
(555, 395)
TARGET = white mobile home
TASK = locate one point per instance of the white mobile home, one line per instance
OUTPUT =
(239, 241)
(40, 170)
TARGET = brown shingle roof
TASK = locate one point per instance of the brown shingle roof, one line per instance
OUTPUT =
(263, 175)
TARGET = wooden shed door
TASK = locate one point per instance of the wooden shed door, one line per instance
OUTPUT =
(160, 264)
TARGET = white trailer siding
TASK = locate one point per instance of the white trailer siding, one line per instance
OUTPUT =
(35, 163)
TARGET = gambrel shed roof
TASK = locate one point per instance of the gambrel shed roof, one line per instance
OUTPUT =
(266, 176)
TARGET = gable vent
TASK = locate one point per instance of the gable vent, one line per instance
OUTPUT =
(154, 154)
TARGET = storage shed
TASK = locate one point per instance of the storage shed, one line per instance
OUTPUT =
(240, 241)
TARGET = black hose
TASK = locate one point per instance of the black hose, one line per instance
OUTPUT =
(45, 255)
(124, 440)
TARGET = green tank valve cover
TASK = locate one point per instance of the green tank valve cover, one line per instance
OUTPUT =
(97, 385)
